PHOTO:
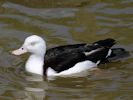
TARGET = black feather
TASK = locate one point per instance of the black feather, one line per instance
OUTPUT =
(106, 43)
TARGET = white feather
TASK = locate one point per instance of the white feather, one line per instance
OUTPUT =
(93, 51)
(51, 72)
(35, 65)
(77, 68)
(109, 53)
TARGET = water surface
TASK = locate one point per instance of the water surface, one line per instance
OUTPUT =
(65, 22)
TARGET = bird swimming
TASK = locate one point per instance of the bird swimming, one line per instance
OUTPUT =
(67, 59)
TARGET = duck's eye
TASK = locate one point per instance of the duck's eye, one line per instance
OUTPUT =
(22, 48)
(33, 43)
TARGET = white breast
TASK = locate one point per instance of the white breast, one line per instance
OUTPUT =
(35, 65)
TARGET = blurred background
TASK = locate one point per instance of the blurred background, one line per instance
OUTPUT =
(62, 22)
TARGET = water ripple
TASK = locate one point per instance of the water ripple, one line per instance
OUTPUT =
(43, 13)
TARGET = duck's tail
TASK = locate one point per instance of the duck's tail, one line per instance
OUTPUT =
(115, 54)
(118, 54)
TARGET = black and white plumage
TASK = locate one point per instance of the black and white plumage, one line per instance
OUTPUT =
(65, 60)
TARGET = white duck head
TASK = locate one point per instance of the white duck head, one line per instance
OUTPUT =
(32, 44)
(37, 47)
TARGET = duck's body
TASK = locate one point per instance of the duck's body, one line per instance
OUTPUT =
(64, 60)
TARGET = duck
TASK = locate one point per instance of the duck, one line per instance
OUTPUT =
(67, 59)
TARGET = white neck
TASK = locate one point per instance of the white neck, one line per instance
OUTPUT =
(35, 64)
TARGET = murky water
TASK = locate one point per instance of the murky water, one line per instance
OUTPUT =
(65, 22)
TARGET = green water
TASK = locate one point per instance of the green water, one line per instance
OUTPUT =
(62, 22)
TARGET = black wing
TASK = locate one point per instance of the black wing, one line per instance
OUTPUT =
(61, 49)
(107, 43)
